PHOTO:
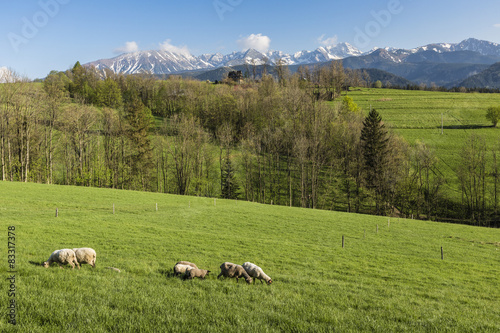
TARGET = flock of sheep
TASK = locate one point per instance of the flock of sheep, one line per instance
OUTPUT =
(72, 257)
(188, 270)
(227, 269)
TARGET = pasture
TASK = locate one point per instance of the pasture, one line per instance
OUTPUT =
(388, 277)
(443, 120)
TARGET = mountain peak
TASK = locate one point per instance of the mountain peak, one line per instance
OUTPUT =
(481, 46)
(168, 61)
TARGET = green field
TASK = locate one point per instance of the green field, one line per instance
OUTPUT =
(419, 115)
(392, 280)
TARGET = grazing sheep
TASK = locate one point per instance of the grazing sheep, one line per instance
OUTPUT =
(256, 272)
(62, 257)
(181, 269)
(199, 273)
(85, 255)
(230, 270)
(187, 263)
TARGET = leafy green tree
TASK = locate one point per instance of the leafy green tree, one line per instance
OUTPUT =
(83, 83)
(493, 115)
(374, 142)
(109, 94)
(348, 105)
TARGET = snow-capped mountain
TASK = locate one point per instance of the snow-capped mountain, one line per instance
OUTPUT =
(166, 62)
(468, 50)
(153, 62)
(483, 47)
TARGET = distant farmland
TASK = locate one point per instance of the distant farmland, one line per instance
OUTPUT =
(418, 115)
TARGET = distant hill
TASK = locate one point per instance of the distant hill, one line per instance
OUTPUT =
(388, 79)
(489, 78)
(443, 64)
(421, 70)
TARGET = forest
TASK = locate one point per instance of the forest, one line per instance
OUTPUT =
(294, 140)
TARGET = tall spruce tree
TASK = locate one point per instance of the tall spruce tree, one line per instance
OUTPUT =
(374, 142)
(229, 186)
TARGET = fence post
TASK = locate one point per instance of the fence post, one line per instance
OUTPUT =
(442, 254)
(342, 241)
(57, 212)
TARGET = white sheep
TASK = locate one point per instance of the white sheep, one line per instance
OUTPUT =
(187, 263)
(86, 255)
(199, 273)
(230, 270)
(256, 272)
(181, 269)
(62, 257)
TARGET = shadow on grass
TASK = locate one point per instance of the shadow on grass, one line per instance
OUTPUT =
(464, 127)
(35, 263)
(168, 273)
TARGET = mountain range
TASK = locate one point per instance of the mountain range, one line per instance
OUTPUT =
(443, 64)
(167, 62)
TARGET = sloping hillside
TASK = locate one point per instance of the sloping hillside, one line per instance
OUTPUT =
(489, 78)
(389, 276)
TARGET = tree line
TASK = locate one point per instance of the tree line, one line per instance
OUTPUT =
(272, 141)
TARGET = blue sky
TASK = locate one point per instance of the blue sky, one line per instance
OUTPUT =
(37, 36)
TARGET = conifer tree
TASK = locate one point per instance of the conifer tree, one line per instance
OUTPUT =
(229, 186)
(374, 142)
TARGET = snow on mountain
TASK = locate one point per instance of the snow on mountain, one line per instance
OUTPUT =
(166, 62)
(481, 46)
(157, 62)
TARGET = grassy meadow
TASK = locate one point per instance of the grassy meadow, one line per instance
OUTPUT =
(389, 277)
(417, 115)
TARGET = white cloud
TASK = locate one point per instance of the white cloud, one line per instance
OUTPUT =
(496, 25)
(257, 42)
(331, 41)
(167, 46)
(128, 48)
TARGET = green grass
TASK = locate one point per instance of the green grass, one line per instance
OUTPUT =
(416, 115)
(390, 281)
